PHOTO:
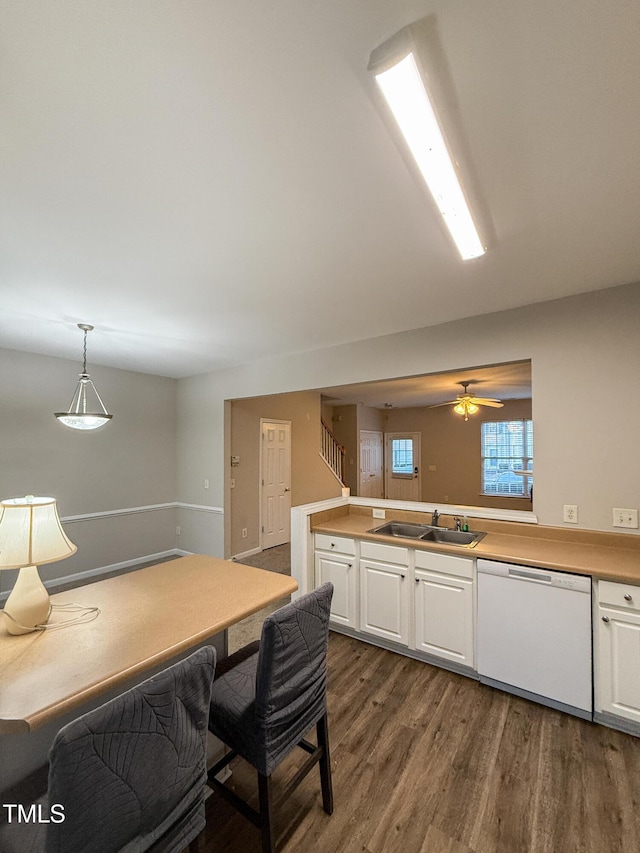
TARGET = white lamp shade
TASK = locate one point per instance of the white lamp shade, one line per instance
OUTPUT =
(31, 533)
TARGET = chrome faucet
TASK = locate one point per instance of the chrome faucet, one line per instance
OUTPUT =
(458, 523)
(435, 517)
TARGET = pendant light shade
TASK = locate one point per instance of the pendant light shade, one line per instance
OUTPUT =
(86, 410)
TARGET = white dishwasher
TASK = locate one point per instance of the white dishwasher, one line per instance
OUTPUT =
(534, 635)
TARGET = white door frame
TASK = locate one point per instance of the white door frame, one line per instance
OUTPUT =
(286, 534)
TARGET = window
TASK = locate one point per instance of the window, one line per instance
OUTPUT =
(402, 457)
(506, 447)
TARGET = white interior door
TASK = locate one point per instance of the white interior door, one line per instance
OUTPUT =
(402, 466)
(371, 481)
(275, 504)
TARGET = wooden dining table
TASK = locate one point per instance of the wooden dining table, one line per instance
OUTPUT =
(147, 618)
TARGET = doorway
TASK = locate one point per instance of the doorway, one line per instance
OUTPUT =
(402, 466)
(371, 480)
(275, 483)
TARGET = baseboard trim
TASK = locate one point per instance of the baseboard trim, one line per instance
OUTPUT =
(620, 724)
(423, 657)
(250, 553)
(93, 574)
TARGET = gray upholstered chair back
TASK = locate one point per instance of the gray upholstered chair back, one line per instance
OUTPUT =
(131, 773)
(291, 673)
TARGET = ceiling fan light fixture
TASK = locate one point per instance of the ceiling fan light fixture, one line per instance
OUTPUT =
(398, 76)
(86, 410)
(468, 404)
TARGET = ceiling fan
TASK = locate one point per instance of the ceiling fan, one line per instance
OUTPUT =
(466, 404)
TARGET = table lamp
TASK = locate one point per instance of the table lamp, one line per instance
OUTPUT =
(30, 535)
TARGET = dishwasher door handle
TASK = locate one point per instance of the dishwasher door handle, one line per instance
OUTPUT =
(532, 576)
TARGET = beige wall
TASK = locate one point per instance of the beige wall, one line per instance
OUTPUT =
(452, 446)
(311, 479)
(345, 426)
(576, 345)
(129, 463)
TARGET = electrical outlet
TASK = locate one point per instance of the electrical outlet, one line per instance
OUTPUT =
(206, 484)
(244, 532)
(178, 530)
(570, 514)
(232, 484)
(378, 513)
(625, 517)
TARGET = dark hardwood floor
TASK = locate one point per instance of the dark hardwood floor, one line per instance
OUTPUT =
(425, 760)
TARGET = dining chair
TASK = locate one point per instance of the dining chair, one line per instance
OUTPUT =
(129, 775)
(263, 704)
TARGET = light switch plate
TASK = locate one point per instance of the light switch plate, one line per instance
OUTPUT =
(379, 513)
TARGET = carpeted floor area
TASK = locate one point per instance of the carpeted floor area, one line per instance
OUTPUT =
(276, 559)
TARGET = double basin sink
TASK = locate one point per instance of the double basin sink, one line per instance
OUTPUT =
(428, 533)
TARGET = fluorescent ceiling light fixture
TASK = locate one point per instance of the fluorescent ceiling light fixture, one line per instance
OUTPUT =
(405, 93)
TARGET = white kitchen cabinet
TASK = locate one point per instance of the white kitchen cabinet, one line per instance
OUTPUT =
(443, 607)
(336, 562)
(617, 635)
(384, 600)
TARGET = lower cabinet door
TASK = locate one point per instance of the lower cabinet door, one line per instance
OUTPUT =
(384, 601)
(444, 616)
(618, 663)
(341, 572)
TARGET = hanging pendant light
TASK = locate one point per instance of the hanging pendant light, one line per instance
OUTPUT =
(83, 413)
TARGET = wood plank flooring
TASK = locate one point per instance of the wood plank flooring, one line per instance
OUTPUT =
(426, 761)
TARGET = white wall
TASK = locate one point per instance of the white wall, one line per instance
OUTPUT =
(584, 352)
(128, 464)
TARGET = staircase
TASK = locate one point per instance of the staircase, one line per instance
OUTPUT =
(332, 452)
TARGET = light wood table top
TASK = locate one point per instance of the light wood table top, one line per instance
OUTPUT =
(146, 617)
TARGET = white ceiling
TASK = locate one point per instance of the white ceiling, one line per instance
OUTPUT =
(210, 182)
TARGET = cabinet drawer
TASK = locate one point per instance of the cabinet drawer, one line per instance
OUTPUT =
(384, 553)
(460, 567)
(619, 595)
(337, 544)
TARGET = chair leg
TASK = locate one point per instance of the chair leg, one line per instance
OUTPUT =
(266, 822)
(322, 730)
(195, 846)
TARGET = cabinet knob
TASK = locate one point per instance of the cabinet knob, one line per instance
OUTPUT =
(417, 580)
(349, 565)
(333, 544)
(628, 597)
(605, 618)
(403, 576)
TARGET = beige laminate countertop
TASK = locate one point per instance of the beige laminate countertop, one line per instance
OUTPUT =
(146, 618)
(608, 556)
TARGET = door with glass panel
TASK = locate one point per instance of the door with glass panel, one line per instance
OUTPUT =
(402, 466)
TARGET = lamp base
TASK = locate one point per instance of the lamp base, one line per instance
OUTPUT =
(28, 605)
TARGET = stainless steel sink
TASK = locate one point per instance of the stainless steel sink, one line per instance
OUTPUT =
(429, 533)
(452, 537)
(406, 530)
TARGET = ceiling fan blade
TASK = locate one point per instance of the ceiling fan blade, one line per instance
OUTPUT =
(448, 403)
(496, 404)
(484, 400)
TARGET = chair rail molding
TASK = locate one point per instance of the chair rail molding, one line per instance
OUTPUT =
(133, 510)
